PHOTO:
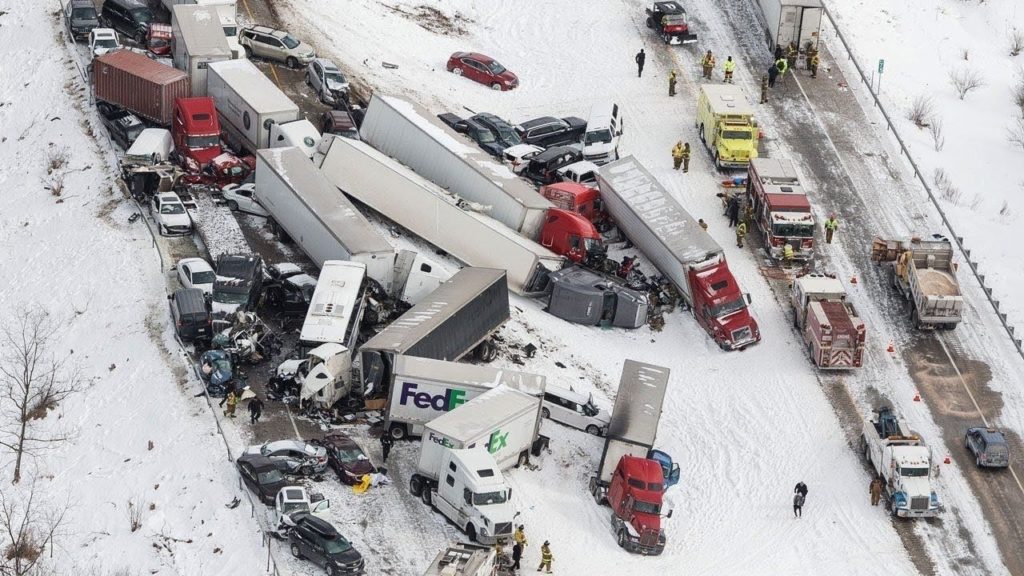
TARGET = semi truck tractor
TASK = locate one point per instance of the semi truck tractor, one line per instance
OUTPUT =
(685, 253)
(904, 463)
(627, 479)
(924, 273)
(828, 323)
(726, 125)
(782, 211)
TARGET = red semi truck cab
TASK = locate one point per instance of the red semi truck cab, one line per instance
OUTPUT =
(196, 129)
(635, 496)
(720, 307)
(781, 209)
(579, 198)
(571, 235)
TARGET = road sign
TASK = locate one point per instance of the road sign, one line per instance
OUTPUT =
(881, 65)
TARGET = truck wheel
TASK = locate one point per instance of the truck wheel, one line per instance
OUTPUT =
(545, 413)
(425, 496)
(232, 205)
(416, 485)
(397, 431)
(329, 570)
(650, 22)
(291, 62)
(486, 351)
(295, 551)
(718, 164)
(623, 539)
(471, 532)
(524, 458)
(593, 430)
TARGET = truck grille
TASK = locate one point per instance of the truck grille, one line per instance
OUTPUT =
(649, 538)
(919, 503)
(742, 335)
(502, 528)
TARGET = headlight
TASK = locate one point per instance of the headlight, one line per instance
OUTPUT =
(483, 531)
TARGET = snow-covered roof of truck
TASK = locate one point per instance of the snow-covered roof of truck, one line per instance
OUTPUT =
(248, 81)
(334, 300)
(638, 403)
(481, 414)
(470, 374)
(658, 210)
(199, 29)
(727, 99)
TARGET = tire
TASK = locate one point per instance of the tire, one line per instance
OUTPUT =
(915, 319)
(486, 351)
(524, 458)
(295, 551)
(426, 498)
(623, 539)
(718, 164)
(545, 413)
(232, 205)
(593, 430)
(867, 449)
(291, 62)
(329, 570)
(496, 86)
(701, 132)
(416, 485)
(967, 445)
(650, 23)
(471, 532)
(977, 461)
(397, 431)
(457, 71)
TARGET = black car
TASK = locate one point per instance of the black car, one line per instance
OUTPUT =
(504, 131)
(80, 18)
(262, 476)
(129, 17)
(124, 127)
(543, 168)
(288, 289)
(238, 285)
(483, 137)
(547, 131)
(319, 542)
(190, 314)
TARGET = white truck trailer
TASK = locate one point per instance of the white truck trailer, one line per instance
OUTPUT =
(460, 559)
(198, 41)
(250, 106)
(434, 214)
(407, 132)
(904, 463)
(226, 12)
(325, 224)
(423, 389)
(786, 21)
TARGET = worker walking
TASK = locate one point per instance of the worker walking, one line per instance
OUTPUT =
(639, 59)
(764, 89)
(545, 557)
(708, 64)
(232, 402)
(255, 409)
(732, 210)
(830, 228)
(686, 157)
(677, 155)
(386, 441)
(773, 73)
(798, 505)
(672, 83)
(800, 489)
(520, 536)
(813, 64)
(781, 65)
(517, 555)
(792, 53)
(741, 232)
(876, 490)
(729, 67)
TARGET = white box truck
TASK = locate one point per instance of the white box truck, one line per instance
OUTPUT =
(423, 389)
(434, 214)
(198, 41)
(786, 21)
(327, 226)
(226, 11)
(414, 137)
(250, 106)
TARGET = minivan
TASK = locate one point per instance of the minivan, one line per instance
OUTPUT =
(543, 168)
(129, 17)
(601, 140)
(80, 18)
(191, 315)
(575, 410)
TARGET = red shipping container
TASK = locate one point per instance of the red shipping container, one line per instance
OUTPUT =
(136, 83)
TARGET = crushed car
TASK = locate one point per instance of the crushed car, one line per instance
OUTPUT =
(293, 457)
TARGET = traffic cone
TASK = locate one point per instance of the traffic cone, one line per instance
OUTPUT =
(947, 460)
(891, 347)
(917, 396)
(853, 279)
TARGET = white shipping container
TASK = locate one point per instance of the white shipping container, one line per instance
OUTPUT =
(248, 103)
(198, 40)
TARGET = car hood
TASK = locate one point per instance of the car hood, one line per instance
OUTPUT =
(98, 51)
(497, 513)
(599, 148)
(357, 468)
(347, 557)
(223, 309)
(509, 77)
(176, 219)
(915, 486)
(334, 85)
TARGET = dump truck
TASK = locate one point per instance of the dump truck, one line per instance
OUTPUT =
(904, 463)
(461, 559)
(655, 222)
(785, 21)
(440, 218)
(198, 41)
(828, 323)
(453, 320)
(924, 272)
(138, 84)
(782, 211)
(726, 125)
(627, 479)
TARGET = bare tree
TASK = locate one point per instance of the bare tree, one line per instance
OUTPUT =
(921, 111)
(965, 80)
(1015, 132)
(32, 382)
(1016, 41)
(1018, 91)
(27, 530)
(938, 138)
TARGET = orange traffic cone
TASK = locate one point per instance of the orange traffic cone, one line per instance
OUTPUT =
(853, 279)
(917, 396)
(891, 348)
(947, 460)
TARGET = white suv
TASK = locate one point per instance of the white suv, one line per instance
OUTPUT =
(574, 409)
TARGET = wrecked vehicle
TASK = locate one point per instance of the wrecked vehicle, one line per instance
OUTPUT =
(215, 369)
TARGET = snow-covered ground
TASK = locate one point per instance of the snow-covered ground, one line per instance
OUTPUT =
(77, 257)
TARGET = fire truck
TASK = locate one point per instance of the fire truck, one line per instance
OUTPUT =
(831, 330)
(781, 209)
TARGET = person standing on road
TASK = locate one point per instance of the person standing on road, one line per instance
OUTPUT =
(708, 64)
(831, 225)
(517, 555)
(545, 557)
(672, 83)
(677, 155)
(782, 66)
(686, 157)
(640, 58)
(741, 231)
(732, 210)
(773, 73)
(809, 52)
(729, 67)
(876, 491)
(255, 409)
(813, 64)
(792, 54)
(787, 255)
(800, 489)
(386, 441)
(798, 505)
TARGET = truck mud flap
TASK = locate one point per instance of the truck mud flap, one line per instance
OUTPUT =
(539, 445)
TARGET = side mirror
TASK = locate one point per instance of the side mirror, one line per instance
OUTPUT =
(747, 297)
(669, 515)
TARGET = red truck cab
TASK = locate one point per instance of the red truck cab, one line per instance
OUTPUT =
(578, 198)
(195, 130)
(158, 39)
(571, 235)
(720, 307)
(635, 496)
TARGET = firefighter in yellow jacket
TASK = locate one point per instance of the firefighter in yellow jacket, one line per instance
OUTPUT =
(672, 83)
(677, 155)
(545, 557)
(741, 231)
(708, 64)
(729, 67)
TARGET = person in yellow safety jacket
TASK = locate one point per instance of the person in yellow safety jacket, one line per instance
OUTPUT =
(781, 65)
(686, 157)
(830, 228)
(741, 231)
(814, 65)
(232, 402)
(672, 83)
(787, 255)
(545, 557)
(792, 53)
(363, 486)
(708, 64)
(677, 155)
(729, 68)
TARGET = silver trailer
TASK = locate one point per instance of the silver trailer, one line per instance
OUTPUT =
(786, 21)
(423, 208)
(248, 103)
(407, 132)
(198, 41)
(449, 323)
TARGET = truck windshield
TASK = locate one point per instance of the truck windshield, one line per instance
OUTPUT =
(793, 230)
(914, 472)
(230, 297)
(202, 142)
(736, 134)
(591, 245)
(142, 15)
(598, 137)
(485, 498)
(727, 308)
(646, 507)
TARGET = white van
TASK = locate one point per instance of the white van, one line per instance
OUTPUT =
(575, 410)
(601, 141)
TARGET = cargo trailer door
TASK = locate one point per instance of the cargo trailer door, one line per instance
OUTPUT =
(789, 25)
(810, 25)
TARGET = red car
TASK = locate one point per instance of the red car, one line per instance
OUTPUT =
(346, 457)
(482, 69)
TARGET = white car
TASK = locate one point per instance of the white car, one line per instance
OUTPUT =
(170, 214)
(242, 197)
(518, 156)
(327, 81)
(196, 273)
(103, 40)
(575, 410)
(582, 172)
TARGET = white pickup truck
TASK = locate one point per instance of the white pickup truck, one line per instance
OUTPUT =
(904, 463)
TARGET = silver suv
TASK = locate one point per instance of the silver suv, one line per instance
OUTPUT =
(275, 45)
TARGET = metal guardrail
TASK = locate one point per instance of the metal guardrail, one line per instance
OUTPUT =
(958, 240)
